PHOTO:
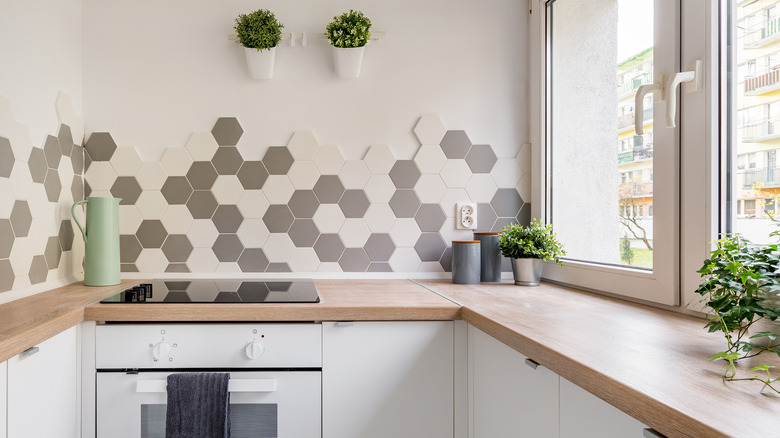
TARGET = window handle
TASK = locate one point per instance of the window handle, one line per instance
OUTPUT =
(694, 79)
(639, 102)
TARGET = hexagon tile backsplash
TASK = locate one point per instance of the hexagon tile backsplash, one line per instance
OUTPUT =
(302, 207)
(38, 184)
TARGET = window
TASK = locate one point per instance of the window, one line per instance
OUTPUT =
(589, 48)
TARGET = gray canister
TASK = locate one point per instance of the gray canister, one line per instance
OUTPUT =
(465, 261)
(490, 256)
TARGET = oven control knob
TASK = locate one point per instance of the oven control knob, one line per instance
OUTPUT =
(254, 350)
(161, 351)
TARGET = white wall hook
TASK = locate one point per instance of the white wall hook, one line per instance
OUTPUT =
(639, 101)
(694, 81)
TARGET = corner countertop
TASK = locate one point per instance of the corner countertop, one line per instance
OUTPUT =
(650, 363)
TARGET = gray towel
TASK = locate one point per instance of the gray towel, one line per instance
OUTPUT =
(198, 406)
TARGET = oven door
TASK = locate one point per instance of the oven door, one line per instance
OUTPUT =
(263, 404)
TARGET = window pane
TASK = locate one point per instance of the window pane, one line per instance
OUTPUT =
(602, 51)
(754, 177)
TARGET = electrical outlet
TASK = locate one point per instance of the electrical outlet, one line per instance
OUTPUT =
(466, 218)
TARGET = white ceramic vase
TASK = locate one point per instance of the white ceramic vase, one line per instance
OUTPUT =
(348, 61)
(260, 63)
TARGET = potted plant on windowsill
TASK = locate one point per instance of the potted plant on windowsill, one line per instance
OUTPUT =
(259, 32)
(348, 33)
(739, 288)
(529, 247)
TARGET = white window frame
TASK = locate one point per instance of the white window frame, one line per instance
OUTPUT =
(701, 160)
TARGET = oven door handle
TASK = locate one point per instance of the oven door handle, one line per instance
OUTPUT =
(235, 385)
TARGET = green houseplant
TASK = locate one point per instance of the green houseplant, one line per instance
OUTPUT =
(739, 288)
(259, 32)
(348, 33)
(528, 247)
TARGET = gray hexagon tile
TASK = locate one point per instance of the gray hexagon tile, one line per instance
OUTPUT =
(227, 248)
(354, 260)
(53, 252)
(446, 260)
(65, 137)
(151, 233)
(379, 247)
(506, 203)
(379, 267)
(128, 267)
(303, 204)
(455, 144)
(100, 146)
(404, 174)
(278, 267)
(129, 248)
(253, 260)
(201, 175)
(486, 217)
(6, 158)
(252, 175)
(177, 248)
(227, 160)
(481, 158)
(404, 203)
(430, 247)
(329, 248)
(21, 218)
(126, 188)
(77, 188)
(430, 217)
(51, 148)
(277, 160)
(6, 238)
(7, 276)
(38, 270)
(329, 189)
(65, 235)
(354, 203)
(202, 204)
(177, 267)
(37, 164)
(278, 218)
(524, 217)
(77, 160)
(304, 233)
(227, 131)
(176, 190)
(52, 185)
(503, 222)
(227, 218)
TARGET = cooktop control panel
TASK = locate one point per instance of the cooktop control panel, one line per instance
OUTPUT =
(219, 291)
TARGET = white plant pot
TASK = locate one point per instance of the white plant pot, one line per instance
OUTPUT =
(260, 63)
(348, 61)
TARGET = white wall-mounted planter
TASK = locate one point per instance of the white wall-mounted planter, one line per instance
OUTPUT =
(260, 63)
(348, 61)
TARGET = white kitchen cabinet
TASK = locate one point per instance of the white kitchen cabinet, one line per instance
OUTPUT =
(3, 397)
(509, 398)
(43, 389)
(583, 415)
(387, 379)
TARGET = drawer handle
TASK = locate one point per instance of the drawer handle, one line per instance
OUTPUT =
(650, 433)
(237, 385)
(29, 352)
(532, 363)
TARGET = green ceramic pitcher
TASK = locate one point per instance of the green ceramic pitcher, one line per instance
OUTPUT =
(101, 240)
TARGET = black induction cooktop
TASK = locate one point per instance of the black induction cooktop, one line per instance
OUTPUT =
(219, 291)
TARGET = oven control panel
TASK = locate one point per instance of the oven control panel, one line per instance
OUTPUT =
(123, 346)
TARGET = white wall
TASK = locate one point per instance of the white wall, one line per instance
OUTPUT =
(40, 54)
(154, 72)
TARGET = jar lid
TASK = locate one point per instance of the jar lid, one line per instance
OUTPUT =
(466, 241)
(486, 233)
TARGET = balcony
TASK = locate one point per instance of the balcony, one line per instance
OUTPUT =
(768, 176)
(627, 120)
(768, 129)
(768, 32)
(626, 89)
(637, 154)
(636, 190)
(763, 83)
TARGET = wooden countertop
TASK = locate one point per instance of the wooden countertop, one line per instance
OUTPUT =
(340, 300)
(652, 364)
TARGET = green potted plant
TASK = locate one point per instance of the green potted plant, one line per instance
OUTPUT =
(259, 32)
(348, 33)
(528, 247)
(739, 288)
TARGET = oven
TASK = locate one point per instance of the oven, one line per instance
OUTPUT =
(275, 368)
